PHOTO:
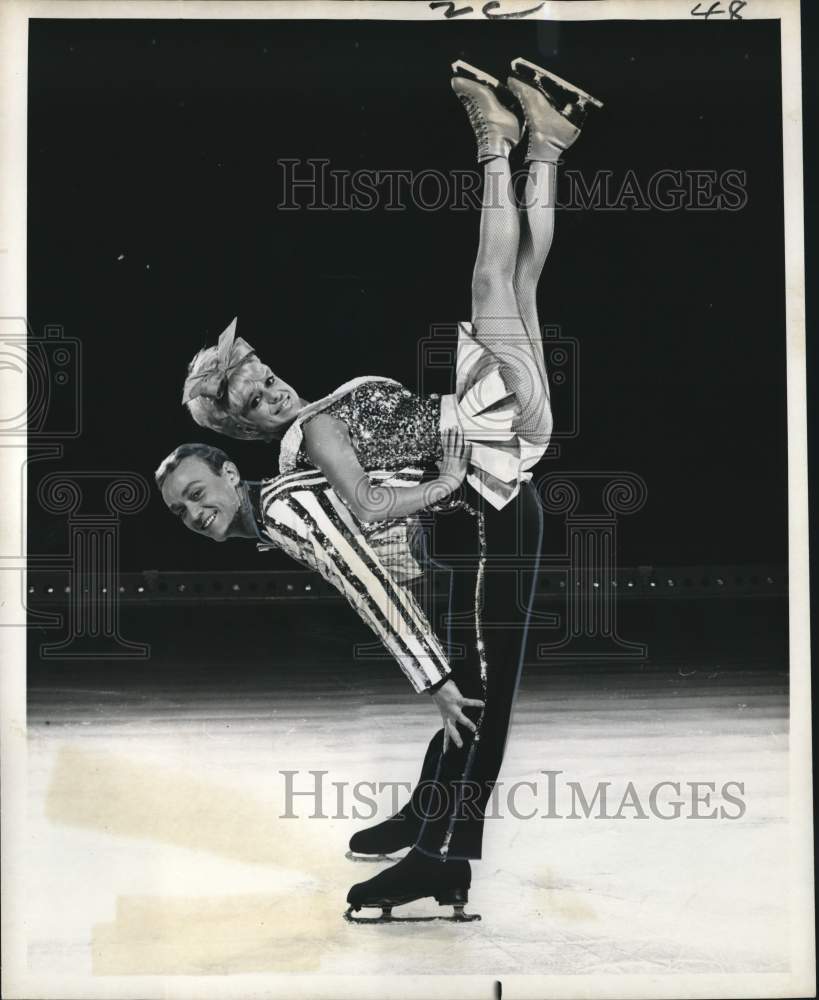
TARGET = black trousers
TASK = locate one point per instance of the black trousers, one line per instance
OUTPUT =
(455, 785)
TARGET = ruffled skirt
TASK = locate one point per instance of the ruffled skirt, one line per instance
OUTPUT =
(487, 410)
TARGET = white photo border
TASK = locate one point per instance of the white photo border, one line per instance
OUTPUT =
(17, 981)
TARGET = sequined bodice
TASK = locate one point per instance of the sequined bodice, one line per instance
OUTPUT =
(389, 426)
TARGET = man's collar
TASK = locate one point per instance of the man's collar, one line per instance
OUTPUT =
(254, 496)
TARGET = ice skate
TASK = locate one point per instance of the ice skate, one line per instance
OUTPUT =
(414, 877)
(550, 134)
(554, 112)
(359, 857)
(490, 109)
(570, 102)
(380, 842)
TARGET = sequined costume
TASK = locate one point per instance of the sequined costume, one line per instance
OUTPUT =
(490, 547)
(391, 427)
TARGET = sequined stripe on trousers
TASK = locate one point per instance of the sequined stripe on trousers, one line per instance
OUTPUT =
(481, 650)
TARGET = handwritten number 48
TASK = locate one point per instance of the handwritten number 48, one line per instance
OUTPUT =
(716, 10)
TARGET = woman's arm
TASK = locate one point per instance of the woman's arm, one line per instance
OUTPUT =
(329, 447)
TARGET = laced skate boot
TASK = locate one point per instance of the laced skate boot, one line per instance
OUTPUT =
(414, 877)
(554, 110)
(490, 110)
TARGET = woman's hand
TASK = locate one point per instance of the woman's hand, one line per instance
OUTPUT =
(451, 704)
(456, 456)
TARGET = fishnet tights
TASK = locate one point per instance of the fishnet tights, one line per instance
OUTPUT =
(512, 248)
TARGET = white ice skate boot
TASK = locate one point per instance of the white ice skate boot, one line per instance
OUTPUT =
(554, 110)
(496, 126)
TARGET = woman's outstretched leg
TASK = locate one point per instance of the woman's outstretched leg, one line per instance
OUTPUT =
(554, 111)
(537, 233)
(496, 314)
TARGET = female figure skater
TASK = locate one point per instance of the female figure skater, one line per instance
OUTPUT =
(501, 405)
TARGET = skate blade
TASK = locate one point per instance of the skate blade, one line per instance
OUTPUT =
(457, 917)
(371, 858)
(463, 68)
(540, 71)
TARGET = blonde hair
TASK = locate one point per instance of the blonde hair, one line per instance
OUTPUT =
(224, 415)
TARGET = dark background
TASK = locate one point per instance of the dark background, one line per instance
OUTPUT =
(158, 141)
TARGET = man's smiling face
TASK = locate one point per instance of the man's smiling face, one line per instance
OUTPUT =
(206, 502)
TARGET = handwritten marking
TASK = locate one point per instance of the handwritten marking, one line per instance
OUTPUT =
(715, 10)
(451, 10)
(490, 10)
(494, 4)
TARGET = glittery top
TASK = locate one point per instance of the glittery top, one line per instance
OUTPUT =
(389, 426)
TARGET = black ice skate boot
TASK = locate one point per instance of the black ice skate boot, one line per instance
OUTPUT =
(491, 110)
(414, 877)
(378, 842)
(554, 110)
(401, 830)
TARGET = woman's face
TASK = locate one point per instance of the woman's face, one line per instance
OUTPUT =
(265, 401)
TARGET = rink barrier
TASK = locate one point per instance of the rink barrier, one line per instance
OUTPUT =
(54, 586)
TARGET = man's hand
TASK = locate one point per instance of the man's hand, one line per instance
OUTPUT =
(450, 704)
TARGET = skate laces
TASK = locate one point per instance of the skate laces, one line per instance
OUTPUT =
(527, 124)
(476, 118)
